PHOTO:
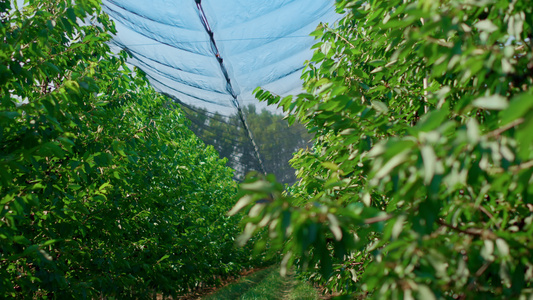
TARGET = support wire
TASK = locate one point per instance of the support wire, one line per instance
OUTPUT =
(229, 86)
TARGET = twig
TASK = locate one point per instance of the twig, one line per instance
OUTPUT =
(469, 231)
(378, 219)
(441, 42)
(339, 36)
(514, 169)
(501, 130)
(522, 166)
(486, 212)
(483, 268)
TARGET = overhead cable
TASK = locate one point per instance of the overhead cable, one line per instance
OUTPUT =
(229, 86)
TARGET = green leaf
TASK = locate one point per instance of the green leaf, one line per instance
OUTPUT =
(103, 187)
(8, 115)
(431, 120)
(486, 25)
(21, 240)
(425, 293)
(391, 164)
(503, 248)
(45, 255)
(430, 163)
(518, 107)
(380, 106)
(334, 227)
(330, 166)
(258, 186)
(242, 203)
(50, 242)
(30, 249)
(360, 73)
(493, 102)
(163, 258)
(472, 131)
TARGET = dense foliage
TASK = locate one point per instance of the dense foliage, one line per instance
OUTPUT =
(103, 189)
(420, 184)
(276, 141)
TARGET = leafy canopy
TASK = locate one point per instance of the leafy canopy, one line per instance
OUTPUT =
(104, 192)
(420, 184)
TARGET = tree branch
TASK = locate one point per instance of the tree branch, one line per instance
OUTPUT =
(501, 130)
(378, 219)
(470, 231)
(339, 36)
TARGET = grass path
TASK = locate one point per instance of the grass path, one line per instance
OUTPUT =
(266, 284)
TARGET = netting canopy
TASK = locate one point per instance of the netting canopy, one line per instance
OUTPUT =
(207, 52)
(212, 54)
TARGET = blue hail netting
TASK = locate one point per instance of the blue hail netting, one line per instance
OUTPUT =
(256, 43)
(212, 54)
